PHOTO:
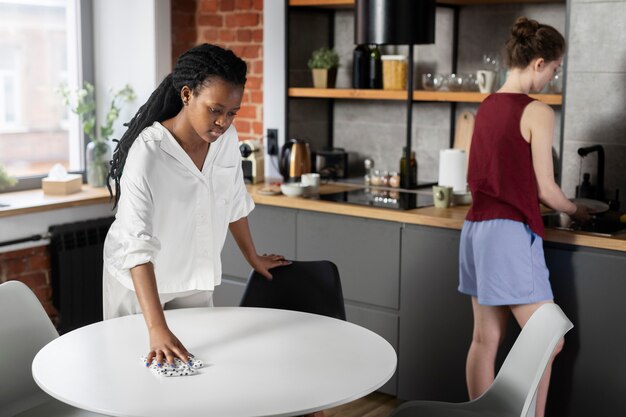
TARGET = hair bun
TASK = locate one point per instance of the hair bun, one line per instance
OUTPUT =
(524, 28)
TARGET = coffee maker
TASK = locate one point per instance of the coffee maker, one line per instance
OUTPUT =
(252, 161)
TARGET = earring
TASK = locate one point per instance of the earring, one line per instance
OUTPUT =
(185, 102)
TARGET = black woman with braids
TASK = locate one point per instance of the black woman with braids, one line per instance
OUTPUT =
(179, 187)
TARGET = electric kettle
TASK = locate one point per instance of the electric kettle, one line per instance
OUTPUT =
(295, 160)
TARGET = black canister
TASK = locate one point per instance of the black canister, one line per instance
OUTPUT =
(360, 66)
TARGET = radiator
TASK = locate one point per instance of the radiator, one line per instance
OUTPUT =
(76, 261)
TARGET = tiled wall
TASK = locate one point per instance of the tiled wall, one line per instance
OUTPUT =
(595, 110)
(377, 129)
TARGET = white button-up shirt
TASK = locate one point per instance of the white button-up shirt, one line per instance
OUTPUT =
(174, 215)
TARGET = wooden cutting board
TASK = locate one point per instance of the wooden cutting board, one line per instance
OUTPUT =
(464, 131)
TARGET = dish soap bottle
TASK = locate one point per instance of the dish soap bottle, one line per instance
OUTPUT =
(411, 171)
(375, 68)
(360, 66)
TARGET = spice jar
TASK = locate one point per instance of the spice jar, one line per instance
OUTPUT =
(394, 179)
(375, 178)
(384, 179)
(394, 72)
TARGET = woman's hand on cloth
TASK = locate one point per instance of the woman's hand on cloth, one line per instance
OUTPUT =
(581, 214)
(165, 346)
(263, 263)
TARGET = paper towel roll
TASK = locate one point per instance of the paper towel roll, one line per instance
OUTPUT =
(453, 169)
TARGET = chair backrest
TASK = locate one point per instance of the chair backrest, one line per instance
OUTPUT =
(311, 287)
(515, 385)
(24, 329)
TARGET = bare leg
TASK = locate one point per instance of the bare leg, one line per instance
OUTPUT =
(489, 327)
(522, 313)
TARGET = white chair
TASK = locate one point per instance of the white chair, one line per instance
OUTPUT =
(512, 393)
(24, 329)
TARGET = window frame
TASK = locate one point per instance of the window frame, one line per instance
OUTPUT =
(80, 70)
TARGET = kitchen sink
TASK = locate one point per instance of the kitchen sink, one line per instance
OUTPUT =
(604, 224)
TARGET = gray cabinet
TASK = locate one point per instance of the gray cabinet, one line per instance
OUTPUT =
(273, 230)
(589, 376)
(367, 255)
(435, 319)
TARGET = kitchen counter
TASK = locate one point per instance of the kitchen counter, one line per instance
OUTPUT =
(450, 218)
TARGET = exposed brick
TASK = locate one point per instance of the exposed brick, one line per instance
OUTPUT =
(52, 312)
(209, 35)
(257, 5)
(256, 67)
(256, 97)
(257, 128)
(34, 280)
(257, 35)
(227, 5)
(227, 35)
(14, 267)
(187, 37)
(182, 20)
(251, 51)
(43, 293)
(210, 20)
(254, 82)
(208, 6)
(243, 126)
(244, 35)
(244, 4)
(239, 20)
(247, 112)
(39, 262)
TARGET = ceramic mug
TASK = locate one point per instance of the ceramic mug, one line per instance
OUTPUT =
(312, 180)
(442, 196)
(486, 79)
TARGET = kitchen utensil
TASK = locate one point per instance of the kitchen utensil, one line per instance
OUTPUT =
(295, 189)
(594, 206)
(268, 191)
(295, 160)
(455, 82)
(486, 80)
(442, 196)
(432, 82)
(464, 129)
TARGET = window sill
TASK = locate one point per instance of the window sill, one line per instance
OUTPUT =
(35, 201)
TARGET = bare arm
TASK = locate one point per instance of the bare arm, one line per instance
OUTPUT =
(163, 343)
(261, 263)
(538, 121)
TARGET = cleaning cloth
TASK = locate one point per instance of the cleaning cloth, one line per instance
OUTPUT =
(180, 368)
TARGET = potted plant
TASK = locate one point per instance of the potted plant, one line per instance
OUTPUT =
(98, 152)
(324, 63)
(5, 181)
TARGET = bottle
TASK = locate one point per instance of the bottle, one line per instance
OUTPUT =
(360, 66)
(585, 189)
(375, 68)
(412, 170)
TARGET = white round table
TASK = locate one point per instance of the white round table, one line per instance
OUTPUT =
(258, 362)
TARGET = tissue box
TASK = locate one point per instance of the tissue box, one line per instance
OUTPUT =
(69, 185)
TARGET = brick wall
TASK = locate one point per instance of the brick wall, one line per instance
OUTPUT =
(32, 267)
(233, 24)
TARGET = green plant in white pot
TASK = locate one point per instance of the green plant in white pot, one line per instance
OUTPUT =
(98, 152)
(324, 63)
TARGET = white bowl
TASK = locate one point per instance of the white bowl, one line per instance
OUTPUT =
(295, 189)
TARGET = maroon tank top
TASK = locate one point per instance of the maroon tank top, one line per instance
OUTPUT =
(500, 173)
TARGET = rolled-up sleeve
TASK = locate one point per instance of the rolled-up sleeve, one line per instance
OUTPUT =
(135, 213)
(242, 201)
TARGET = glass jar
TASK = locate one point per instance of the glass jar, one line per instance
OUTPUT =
(97, 161)
(411, 171)
(384, 179)
(394, 179)
(394, 72)
(375, 178)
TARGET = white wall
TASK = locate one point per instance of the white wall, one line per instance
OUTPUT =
(132, 44)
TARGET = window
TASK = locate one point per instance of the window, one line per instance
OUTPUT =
(39, 50)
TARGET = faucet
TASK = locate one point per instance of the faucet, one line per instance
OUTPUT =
(600, 169)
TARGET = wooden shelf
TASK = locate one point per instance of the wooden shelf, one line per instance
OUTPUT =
(344, 4)
(418, 95)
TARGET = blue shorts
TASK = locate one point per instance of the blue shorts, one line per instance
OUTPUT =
(501, 262)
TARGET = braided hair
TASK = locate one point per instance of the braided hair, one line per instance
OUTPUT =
(194, 69)
(531, 39)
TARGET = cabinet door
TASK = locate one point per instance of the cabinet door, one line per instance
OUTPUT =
(589, 375)
(365, 251)
(382, 323)
(435, 319)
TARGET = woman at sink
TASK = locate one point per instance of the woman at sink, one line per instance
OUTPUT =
(502, 265)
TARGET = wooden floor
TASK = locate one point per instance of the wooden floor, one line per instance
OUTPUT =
(374, 405)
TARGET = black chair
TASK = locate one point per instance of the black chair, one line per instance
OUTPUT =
(310, 287)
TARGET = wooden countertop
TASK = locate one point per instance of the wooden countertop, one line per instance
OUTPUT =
(450, 218)
(33, 201)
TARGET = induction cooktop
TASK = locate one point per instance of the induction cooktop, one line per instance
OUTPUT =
(382, 198)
